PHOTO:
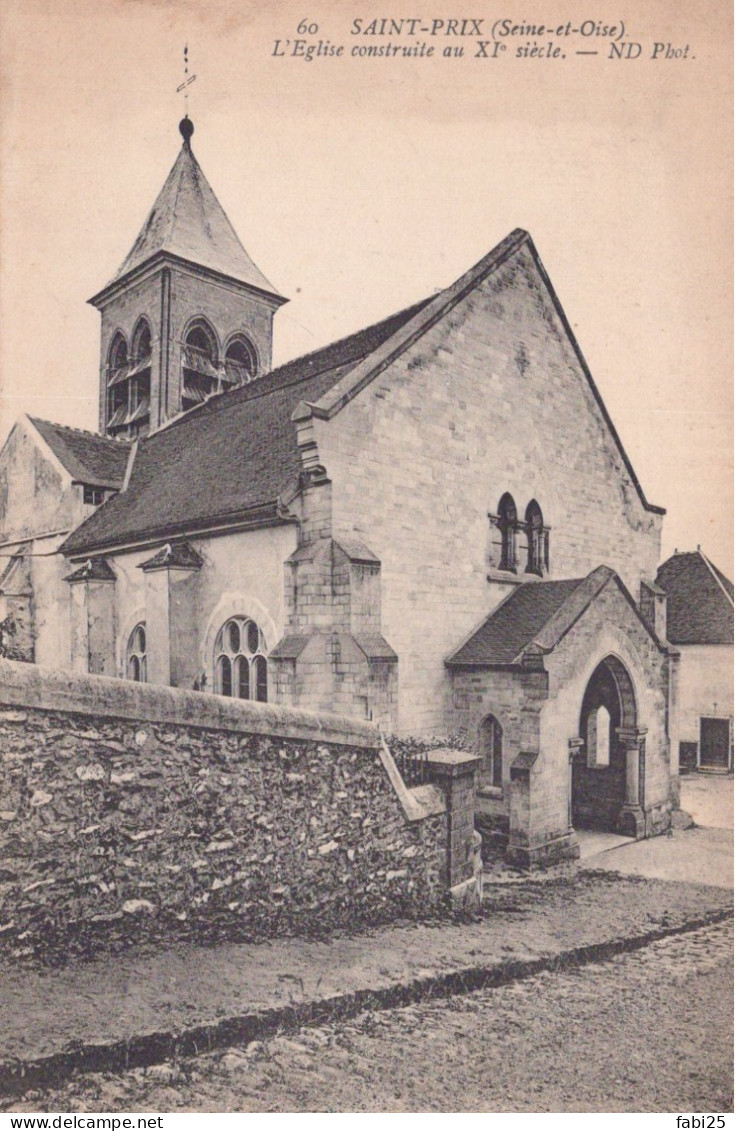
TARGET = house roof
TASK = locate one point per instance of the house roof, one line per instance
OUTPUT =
(533, 619)
(95, 460)
(699, 600)
(224, 460)
(188, 221)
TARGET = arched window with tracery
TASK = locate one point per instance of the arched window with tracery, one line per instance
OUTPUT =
(201, 376)
(136, 654)
(537, 543)
(241, 667)
(241, 364)
(491, 752)
(507, 520)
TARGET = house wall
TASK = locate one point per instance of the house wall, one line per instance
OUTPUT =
(36, 495)
(706, 686)
(491, 399)
(39, 506)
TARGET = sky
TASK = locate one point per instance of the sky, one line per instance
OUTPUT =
(360, 185)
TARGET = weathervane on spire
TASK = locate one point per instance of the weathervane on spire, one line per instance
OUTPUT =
(186, 127)
(188, 80)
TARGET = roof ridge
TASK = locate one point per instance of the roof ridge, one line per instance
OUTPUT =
(79, 431)
(215, 404)
(714, 573)
(172, 219)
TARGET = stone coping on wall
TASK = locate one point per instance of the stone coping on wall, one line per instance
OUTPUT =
(51, 689)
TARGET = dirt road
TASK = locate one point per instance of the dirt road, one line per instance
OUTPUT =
(648, 1031)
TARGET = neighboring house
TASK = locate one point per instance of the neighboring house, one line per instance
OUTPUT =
(51, 479)
(700, 626)
(327, 534)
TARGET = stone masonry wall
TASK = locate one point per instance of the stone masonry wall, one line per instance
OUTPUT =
(133, 812)
(491, 399)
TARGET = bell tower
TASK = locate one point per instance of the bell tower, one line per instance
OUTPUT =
(187, 315)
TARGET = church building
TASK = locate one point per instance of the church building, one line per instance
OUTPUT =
(432, 524)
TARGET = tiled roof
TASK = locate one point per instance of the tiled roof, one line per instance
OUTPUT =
(234, 454)
(187, 220)
(91, 459)
(698, 609)
(515, 624)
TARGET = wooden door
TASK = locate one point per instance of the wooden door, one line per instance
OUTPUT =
(714, 744)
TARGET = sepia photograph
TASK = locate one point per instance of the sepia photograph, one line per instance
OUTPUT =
(366, 558)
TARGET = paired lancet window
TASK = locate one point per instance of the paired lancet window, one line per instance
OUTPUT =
(521, 544)
(241, 668)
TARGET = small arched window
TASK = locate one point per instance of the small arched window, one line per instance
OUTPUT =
(141, 341)
(240, 361)
(491, 752)
(136, 655)
(241, 668)
(536, 561)
(598, 738)
(507, 519)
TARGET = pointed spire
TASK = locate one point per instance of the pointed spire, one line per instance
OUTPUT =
(188, 221)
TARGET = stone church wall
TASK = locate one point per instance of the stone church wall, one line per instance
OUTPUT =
(242, 575)
(491, 399)
(131, 812)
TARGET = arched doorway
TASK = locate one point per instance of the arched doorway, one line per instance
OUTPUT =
(598, 780)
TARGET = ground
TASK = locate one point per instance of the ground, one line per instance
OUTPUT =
(632, 1034)
(615, 1001)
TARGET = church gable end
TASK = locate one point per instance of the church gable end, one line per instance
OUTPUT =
(486, 397)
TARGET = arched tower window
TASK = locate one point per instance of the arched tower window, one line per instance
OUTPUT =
(507, 519)
(491, 752)
(537, 542)
(240, 361)
(118, 353)
(201, 376)
(136, 654)
(141, 341)
(241, 668)
(117, 389)
(129, 384)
